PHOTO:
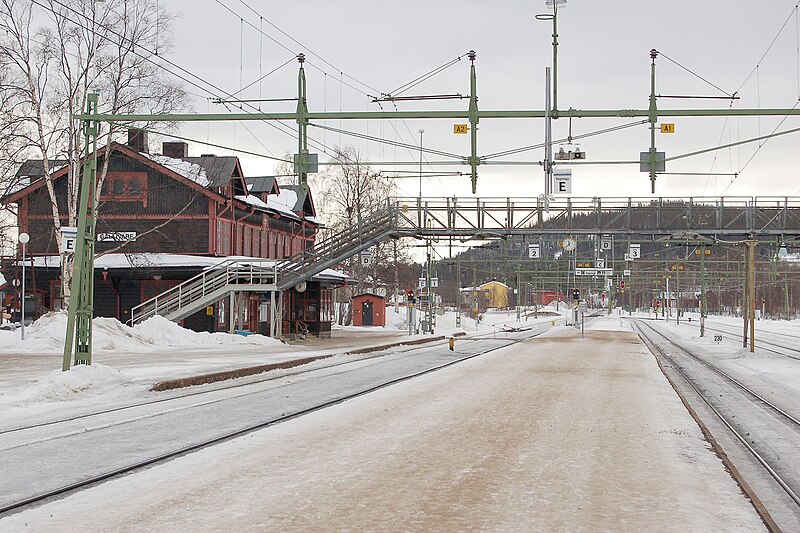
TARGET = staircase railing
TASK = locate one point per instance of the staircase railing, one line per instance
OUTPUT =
(333, 249)
(231, 272)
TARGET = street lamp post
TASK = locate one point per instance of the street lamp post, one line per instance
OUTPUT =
(420, 165)
(23, 239)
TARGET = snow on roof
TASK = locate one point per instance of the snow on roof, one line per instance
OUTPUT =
(316, 220)
(188, 170)
(252, 200)
(284, 202)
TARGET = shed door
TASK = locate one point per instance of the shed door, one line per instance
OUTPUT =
(366, 313)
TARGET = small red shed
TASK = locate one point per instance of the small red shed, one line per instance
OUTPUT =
(369, 310)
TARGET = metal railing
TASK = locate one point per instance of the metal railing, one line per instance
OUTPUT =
(227, 274)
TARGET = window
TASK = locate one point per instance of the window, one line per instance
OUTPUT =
(125, 187)
(326, 305)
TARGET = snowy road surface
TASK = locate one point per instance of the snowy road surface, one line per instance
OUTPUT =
(555, 433)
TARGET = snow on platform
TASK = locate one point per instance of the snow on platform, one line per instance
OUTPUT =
(557, 433)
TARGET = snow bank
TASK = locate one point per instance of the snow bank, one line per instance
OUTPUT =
(46, 335)
(83, 380)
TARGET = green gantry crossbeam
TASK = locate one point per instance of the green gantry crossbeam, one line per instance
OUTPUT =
(79, 322)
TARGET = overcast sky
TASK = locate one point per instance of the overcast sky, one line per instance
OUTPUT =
(603, 64)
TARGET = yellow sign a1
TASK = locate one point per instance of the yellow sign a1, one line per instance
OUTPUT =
(667, 128)
(460, 129)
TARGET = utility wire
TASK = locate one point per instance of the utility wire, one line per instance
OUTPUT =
(220, 146)
(279, 126)
(768, 48)
(248, 6)
(761, 145)
(146, 58)
(413, 83)
(386, 141)
(575, 137)
(229, 9)
(665, 56)
(262, 78)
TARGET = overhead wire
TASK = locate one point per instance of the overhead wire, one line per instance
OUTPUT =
(771, 44)
(197, 84)
(665, 56)
(277, 124)
(386, 141)
(416, 81)
(214, 145)
(310, 63)
(248, 6)
(575, 137)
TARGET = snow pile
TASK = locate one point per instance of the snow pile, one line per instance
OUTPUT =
(186, 169)
(81, 381)
(110, 335)
(162, 332)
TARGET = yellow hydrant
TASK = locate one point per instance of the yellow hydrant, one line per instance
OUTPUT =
(452, 343)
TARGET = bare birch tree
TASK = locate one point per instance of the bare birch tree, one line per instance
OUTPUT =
(347, 193)
(54, 54)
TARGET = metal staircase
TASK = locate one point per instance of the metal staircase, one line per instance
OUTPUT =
(334, 249)
(208, 287)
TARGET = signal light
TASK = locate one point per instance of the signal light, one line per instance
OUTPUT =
(576, 294)
(622, 284)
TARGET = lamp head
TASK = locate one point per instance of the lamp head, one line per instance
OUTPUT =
(24, 238)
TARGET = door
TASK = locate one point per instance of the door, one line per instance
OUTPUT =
(366, 313)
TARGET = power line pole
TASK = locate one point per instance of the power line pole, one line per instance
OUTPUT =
(751, 296)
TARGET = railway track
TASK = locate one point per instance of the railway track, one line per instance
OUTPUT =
(761, 343)
(245, 382)
(767, 431)
(114, 441)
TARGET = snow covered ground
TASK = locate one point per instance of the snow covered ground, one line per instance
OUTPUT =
(558, 433)
(129, 360)
(364, 464)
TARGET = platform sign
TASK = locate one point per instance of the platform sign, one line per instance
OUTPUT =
(562, 178)
(460, 129)
(534, 251)
(626, 272)
(635, 251)
(582, 307)
(605, 244)
(600, 262)
(366, 257)
(423, 283)
(434, 283)
(667, 128)
(68, 237)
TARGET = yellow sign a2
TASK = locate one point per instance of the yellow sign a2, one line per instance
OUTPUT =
(460, 129)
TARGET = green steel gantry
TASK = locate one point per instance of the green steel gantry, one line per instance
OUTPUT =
(78, 341)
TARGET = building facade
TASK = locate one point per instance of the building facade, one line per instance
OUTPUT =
(163, 218)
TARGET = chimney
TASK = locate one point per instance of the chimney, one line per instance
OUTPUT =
(137, 139)
(175, 149)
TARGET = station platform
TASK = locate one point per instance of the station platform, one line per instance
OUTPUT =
(557, 433)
